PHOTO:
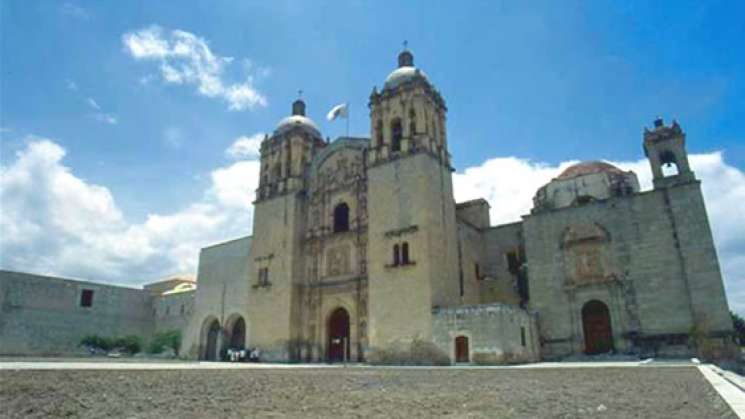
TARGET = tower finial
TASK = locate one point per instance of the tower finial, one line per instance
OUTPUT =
(406, 58)
(298, 106)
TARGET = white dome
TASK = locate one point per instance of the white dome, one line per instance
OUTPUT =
(297, 121)
(402, 75)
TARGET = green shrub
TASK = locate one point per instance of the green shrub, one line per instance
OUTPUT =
(131, 343)
(167, 339)
(98, 342)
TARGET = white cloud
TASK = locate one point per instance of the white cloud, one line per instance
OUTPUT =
(173, 137)
(92, 103)
(509, 184)
(99, 115)
(54, 222)
(105, 118)
(185, 58)
(246, 147)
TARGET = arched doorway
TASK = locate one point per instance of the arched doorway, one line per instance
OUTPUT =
(461, 349)
(211, 346)
(238, 334)
(597, 328)
(338, 336)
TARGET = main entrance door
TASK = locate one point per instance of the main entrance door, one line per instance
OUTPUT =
(338, 336)
(597, 328)
(461, 349)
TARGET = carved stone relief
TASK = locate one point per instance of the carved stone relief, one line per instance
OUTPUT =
(337, 259)
(586, 254)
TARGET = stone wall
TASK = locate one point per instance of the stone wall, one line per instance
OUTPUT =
(224, 281)
(499, 285)
(410, 201)
(648, 257)
(497, 333)
(41, 315)
(173, 311)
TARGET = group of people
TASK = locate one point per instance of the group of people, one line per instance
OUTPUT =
(243, 355)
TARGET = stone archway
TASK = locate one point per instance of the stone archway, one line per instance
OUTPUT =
(461, 349)
(338, 344)
(238, 334)
(211, 340)
(596, 326)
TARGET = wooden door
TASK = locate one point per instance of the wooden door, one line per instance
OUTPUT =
(461, 349)
(338, 336)
(597, 328)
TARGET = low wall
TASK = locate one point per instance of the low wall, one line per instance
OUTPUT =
(41, 315)
(495, 333)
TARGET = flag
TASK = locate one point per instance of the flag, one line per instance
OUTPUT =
(338, 111)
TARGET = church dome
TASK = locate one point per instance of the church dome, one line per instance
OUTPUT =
(583, 183)
(298, 120)
(589, 167)
(405, 72)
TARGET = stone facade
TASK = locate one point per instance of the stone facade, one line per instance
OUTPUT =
(359, 248)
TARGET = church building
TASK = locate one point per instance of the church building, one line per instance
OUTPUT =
(359, 252)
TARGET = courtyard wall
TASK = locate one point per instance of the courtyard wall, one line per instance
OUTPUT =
(42, 315)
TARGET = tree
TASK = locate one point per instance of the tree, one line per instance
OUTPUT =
(739, 324)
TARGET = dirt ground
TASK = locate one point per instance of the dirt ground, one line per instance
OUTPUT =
(662, 392)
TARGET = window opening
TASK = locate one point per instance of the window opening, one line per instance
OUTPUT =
(86, 298)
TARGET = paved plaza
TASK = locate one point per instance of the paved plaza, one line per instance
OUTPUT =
(149, 389)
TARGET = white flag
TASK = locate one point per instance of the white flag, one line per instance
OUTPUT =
(338, 111)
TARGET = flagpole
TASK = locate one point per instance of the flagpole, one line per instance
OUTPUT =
(347, 119)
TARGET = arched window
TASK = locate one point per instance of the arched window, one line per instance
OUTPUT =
(379, 133)
(669, 165)
(341, 218)
(396, 134)
(396, 255)
(405, 253)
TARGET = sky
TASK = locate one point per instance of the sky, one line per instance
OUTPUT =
(129, 130)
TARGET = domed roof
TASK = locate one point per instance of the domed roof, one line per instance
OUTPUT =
(589, 167)
(405, 71)
(298, 120)
(295, 121)
(402, 75)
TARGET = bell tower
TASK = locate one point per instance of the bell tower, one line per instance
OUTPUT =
(407, 116)
(412, 241)
(664, 146)
(286, 152)
(276, 247)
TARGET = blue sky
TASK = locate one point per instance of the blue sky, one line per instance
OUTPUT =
(546, 82)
